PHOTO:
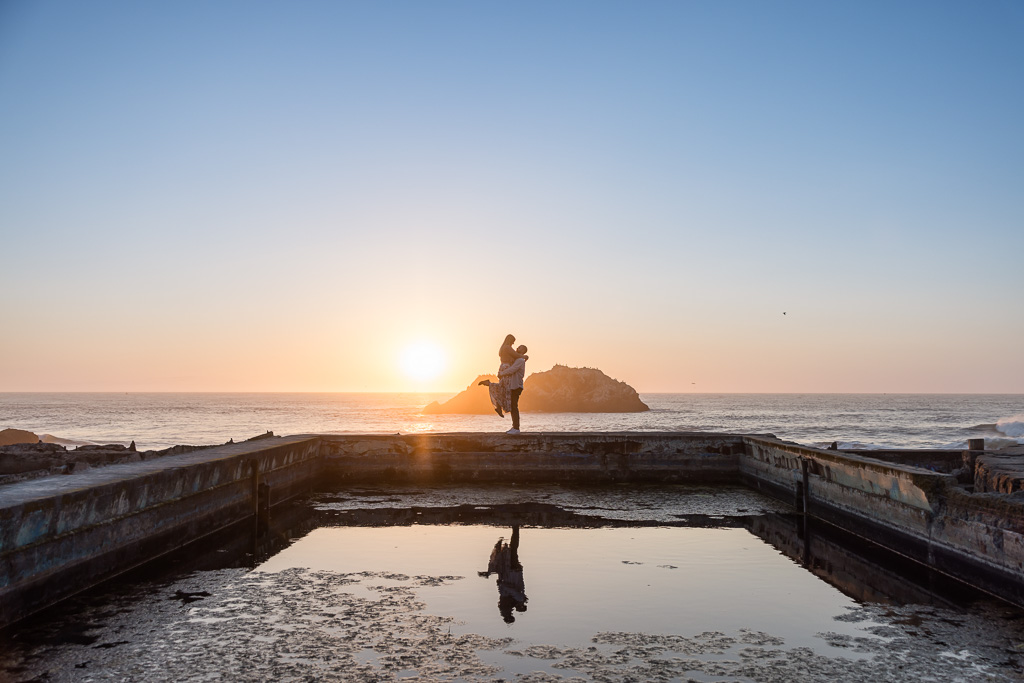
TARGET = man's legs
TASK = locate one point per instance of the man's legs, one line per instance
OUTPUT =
(515, 407)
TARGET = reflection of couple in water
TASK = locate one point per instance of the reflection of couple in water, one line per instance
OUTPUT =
(505, 563)
(506, 391)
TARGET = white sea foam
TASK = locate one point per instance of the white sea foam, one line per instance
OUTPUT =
(1012, 427)
(50, 438)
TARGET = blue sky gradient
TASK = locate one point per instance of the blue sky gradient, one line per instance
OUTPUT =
(641, 187)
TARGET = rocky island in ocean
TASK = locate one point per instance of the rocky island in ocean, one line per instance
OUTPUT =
(558, 390)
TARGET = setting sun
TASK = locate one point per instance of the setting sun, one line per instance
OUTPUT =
(422, 361)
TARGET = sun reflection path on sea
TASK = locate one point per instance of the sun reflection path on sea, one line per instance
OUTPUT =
(419, 428)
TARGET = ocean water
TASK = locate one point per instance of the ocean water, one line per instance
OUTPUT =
(159, 420)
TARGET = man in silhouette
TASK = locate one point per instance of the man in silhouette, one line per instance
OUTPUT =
(516, 372)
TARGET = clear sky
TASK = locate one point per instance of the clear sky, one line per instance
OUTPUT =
(285, 196)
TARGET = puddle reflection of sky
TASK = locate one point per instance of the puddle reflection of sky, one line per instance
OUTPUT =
(579, 582)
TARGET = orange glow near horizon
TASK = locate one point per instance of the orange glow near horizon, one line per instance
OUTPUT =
(374, 351)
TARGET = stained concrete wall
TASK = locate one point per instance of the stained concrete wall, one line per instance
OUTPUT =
(924, 515)
(851, 483)
(937, 460)
(581, 458)
(62, 534)
(980, 537)
(999, 473)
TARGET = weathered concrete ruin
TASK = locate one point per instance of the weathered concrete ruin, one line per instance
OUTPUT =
(955, 511)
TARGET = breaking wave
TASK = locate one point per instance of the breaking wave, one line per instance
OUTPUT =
(1012, 427)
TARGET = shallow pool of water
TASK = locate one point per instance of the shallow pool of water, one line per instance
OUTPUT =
(575, 583)
(541, 584)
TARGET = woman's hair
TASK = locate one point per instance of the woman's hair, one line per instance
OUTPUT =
(506, 353)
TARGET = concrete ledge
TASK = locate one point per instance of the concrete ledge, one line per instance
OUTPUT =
(999, 473)
(921, 514)
(934, 459)
(537, 457)
(62, 534)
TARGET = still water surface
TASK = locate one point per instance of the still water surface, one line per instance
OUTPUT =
(582, 582)
(612, 584)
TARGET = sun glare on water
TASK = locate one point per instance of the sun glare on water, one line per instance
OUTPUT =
(422, 361)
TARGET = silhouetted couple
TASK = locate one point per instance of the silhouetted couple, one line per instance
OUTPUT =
(504, 562)
(506, 391)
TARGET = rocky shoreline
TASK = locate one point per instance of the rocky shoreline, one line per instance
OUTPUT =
(25, 455)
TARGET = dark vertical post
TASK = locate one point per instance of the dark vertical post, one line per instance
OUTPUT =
(804, 521)
(254, 475)
(806, 482)
(805, 528)
(263, 508)
(975, 447)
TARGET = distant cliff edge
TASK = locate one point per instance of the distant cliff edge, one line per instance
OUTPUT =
(558, 390)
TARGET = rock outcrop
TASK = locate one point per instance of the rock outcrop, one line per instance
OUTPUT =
(36, 458)
(474, 400)
(22, 460)
(578, 390)
(558, 390)
(10, 437)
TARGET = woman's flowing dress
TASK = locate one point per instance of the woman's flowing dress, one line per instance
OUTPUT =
(501, 391)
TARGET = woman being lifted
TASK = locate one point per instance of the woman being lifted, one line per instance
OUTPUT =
(501, 391)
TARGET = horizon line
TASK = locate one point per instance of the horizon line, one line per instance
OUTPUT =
(706, 393)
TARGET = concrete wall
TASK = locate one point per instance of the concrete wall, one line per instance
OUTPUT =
(980, 536)
(924, 515)
(549, 458)
(62, 534)
(937, 460)
(999, 473)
